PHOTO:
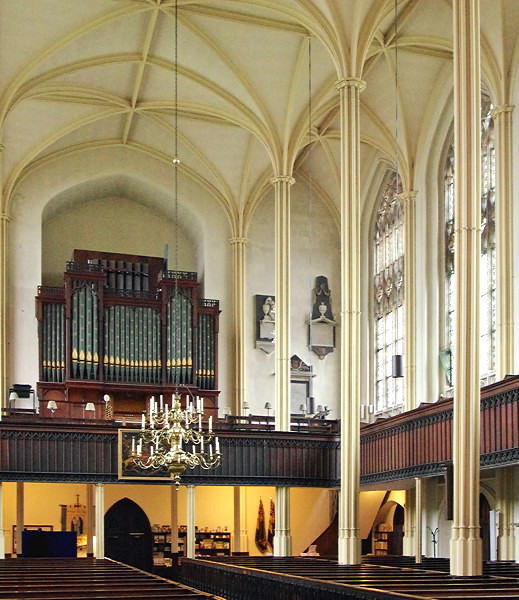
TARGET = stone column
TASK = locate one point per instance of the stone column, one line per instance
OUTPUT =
(282, 537)
(238, 246)
(410, 521)
(349, 540)
(2, 535)
(502, 116)
(100, 520)
(418, 521)
(408, 200)
(90, 520)
(4, 384)
(465, 539)
(20, 516)
(506, 531)
(173, 505)
(240, 535)
(282, 288)
(190, 538)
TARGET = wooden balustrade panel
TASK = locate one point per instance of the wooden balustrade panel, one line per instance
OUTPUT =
(413, 444)
(419, 442)
(85, 454)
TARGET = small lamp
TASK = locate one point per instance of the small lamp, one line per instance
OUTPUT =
(397, 366)
(268, 407)
(90, 407)
(246, 407)
(302, 409)
(52, 406)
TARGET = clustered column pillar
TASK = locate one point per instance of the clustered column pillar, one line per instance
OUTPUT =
(282, 287)
(505, 248)
(238, 246)
(418, 520)
(282, 539)
(409, 203)
(4, 386)
(100, 520)
(506, 529)
(241, 538)
(190, 537)
(465, 541)
(90, 519)
(349, 540)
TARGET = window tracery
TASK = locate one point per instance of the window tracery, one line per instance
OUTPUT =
(388, 296)
(488, 247)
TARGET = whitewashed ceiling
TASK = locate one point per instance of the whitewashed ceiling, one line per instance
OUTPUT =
(78, 75)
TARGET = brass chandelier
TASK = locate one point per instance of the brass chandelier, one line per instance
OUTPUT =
(174, 438)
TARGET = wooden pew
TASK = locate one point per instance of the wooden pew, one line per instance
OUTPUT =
(70, 579)
(303, 576)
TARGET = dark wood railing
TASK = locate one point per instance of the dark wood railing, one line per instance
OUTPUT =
(414, 444)
(419, 442)
(87, 452)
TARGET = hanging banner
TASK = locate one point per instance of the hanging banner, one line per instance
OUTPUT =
(272, 526)
(261, 538)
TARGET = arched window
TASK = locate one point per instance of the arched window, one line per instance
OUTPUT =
(388, 296)
(488, 251)
(487, 362)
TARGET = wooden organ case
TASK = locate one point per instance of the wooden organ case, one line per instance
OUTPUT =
(123, 326)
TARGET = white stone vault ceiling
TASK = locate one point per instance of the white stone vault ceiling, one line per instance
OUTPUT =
(76, 75)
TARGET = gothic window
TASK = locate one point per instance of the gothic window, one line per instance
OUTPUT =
(388, 296)
(488, 243)
(449, 261)
(488, 247)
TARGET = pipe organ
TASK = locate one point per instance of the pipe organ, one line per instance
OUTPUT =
(125, 326)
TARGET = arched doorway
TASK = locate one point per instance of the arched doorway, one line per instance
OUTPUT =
(396, 545)
(388, 529)
(128, 535)
(484, 523)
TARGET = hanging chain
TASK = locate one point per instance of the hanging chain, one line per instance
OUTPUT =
(176, 163)
(310, 182)
(176, 160)
(396, 97)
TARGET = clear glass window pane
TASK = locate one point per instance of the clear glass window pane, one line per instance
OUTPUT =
(488, 254)
(388, 276)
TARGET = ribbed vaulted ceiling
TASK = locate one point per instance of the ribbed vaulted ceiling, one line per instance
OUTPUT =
(78, 74)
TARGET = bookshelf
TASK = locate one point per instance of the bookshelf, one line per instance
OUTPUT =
(381, 539)
(162, 546)
(207, 543)
(213, 543)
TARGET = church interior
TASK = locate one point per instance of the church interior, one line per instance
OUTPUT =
(286, 229)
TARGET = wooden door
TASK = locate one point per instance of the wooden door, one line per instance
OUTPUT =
(128, 536)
